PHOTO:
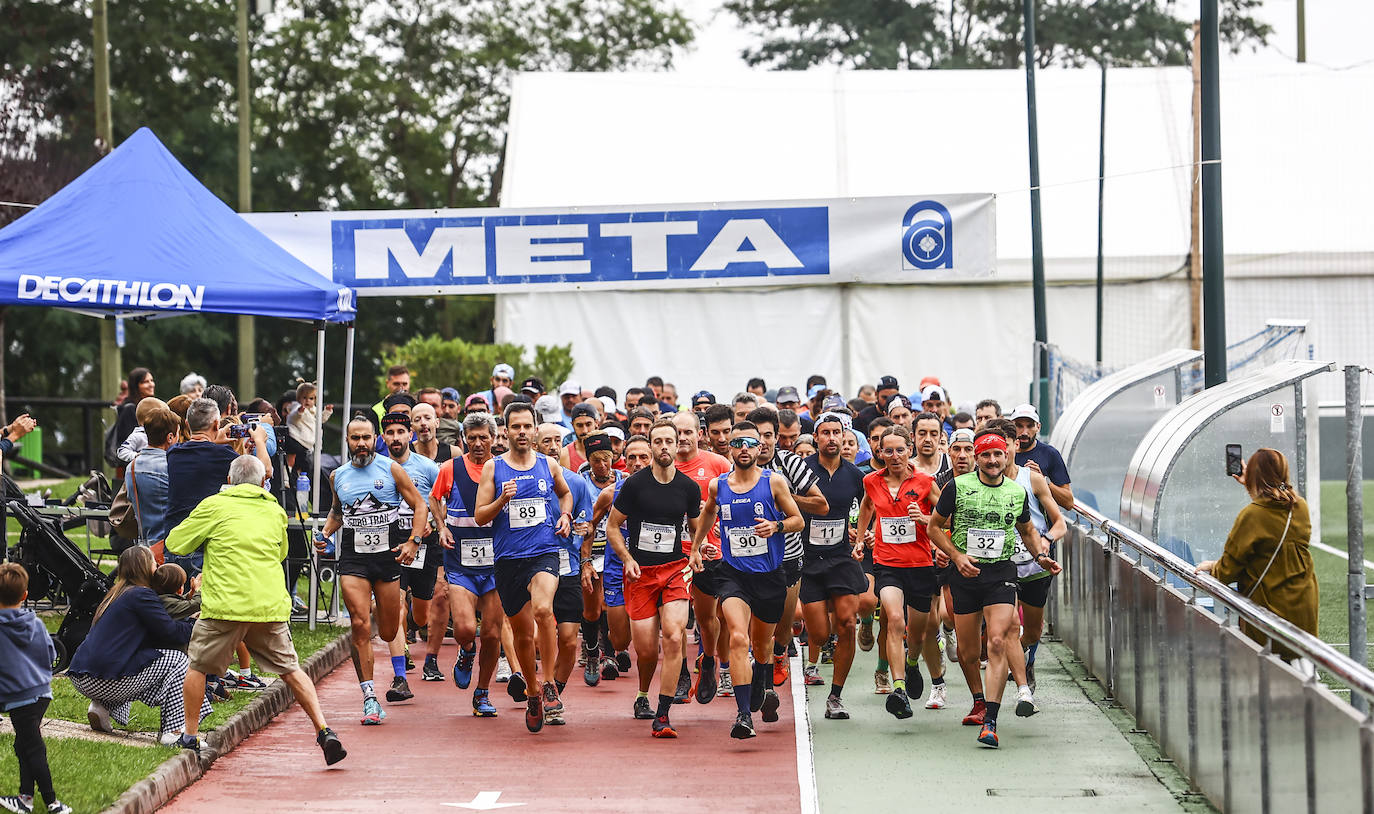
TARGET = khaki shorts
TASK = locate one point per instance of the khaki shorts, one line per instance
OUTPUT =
(213, 642)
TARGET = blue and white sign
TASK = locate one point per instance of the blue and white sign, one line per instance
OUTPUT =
(874, 240)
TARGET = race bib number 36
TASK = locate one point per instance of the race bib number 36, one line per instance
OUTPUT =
(526, 512)
(898, 529)
(476, 553)
(657, 538)
(744, 542)
(985, 543)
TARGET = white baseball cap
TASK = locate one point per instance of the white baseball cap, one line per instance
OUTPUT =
(570, 388)
(609, 403)
(548, 408)
(933, 392)
(1025, 411)
(503, 370)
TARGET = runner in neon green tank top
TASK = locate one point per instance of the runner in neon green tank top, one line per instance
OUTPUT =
(984, 509)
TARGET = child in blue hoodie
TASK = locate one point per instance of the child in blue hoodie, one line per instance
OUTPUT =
(26, 656)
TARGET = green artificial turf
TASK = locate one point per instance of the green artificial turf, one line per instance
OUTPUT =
(88, 776)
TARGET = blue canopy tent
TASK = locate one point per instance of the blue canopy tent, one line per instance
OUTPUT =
(137, 235)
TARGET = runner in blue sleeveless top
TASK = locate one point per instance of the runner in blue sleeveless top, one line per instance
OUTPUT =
(637, 456)
(367, 492)
(469, 562)
(525, 498)
(756, 510)
(600, 477)
(419, 575)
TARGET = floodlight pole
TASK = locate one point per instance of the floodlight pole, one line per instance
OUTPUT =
(111, 365)
(1101, 191)
(1213, 255)
(1037, 244)
(247, 329)
(1354, 521)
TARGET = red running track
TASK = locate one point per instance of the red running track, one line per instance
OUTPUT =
(431, 751)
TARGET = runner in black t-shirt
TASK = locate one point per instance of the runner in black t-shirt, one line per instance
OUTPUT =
(654, 504)
(1037, 455)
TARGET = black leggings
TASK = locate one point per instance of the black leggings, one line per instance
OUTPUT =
(30, 749)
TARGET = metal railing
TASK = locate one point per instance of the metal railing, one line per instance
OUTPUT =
(1251, 731)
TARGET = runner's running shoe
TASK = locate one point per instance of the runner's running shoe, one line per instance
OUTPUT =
(373, 714)
(642, 711)
(432, 671)
(770, 705)
(726, 687)
(1030, 675)
(975, 715)
(781, 671)
(400, 690)
(915, 682)
(811, 676)
(515, 688)
(866, 634)
(610, 671)
(534, 712)
(1025, 703)
(462, 669)
(622, 661)
(882, 682)
(331, 746)
(553, 706)
(663, 729)
(951, 647)
(828, 651)
(591, 668)
(503, 672)
(898, 704)
(743, 728)
(759, 684)
(834, 709)
(707, 686)
(684, 686)
(988, 734)
(481, 704)
(937, 697)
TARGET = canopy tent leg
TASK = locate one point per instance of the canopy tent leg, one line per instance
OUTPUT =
(348, 388)
(315, 476)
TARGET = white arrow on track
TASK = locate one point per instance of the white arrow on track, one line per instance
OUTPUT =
(484, 801)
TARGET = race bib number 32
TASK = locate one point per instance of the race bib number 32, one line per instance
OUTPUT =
(985, 543)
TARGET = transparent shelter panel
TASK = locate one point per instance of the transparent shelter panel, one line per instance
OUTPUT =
(1200, 502)
(1109, 438)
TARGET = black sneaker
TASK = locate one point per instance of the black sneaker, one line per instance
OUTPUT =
(400, 690)
(663, 729)
(770, 705)
(534, 712)
(591, 674)
(331, 746)
(610, 671)
(642, 710)
(432, 671)
(915, 682)
(684, 686)
(707, 685)
(898, 704)
(743, 728)
(515, 688)
(622, 661)
(757, 688)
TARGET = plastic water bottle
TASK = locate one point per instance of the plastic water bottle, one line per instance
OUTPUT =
(303, 494)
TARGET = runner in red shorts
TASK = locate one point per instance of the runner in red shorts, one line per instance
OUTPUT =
(654, 504)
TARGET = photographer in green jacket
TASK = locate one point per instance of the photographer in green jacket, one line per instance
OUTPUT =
(243, 598)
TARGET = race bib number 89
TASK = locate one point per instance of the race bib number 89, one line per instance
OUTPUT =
(526, 512)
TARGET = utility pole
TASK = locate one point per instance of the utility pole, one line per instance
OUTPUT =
(111, 365)
(1101, 197)
(1195, 202)
(1213, 253)
(1302, 30)
(247, 329)
(1044, 407)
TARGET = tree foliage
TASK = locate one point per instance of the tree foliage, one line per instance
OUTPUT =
(357, 104)
(437, 362)
(877, 34)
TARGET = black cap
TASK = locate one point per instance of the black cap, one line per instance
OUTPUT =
(788, 395)
(533, 384)
(583, 409)
(398, 398)
(597, 442)
(887, 383)
(396, 418)
(703, 397)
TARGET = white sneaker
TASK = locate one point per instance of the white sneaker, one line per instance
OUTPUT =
(1025, 703)
(937, 697)
(99, 717)
(502, 670)
(882, 682)
(951, 647)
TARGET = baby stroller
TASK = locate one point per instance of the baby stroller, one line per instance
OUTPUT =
(58, 569)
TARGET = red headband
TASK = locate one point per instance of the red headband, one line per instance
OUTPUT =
(987, 442)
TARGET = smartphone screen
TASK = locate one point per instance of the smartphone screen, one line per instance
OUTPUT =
(1234, 463)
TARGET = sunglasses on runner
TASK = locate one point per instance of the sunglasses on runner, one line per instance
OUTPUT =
(739, 443)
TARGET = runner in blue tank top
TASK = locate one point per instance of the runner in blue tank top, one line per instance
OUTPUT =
(637, 456)
(367, 492)
(756, 510)
(419, 575)
(525, 498)
(600, 477)
(468, 562)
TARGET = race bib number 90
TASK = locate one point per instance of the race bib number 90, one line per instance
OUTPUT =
(657, 538)
(898, 529)
(526, 512)
(985, 543)
(744, 542)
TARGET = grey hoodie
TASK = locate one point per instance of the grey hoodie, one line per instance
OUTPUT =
(26, 656)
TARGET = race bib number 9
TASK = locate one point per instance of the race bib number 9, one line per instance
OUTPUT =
(828, 532)
(744, 542)
(985, 543)
(476, 553)
(898, 529)
(526, 512)
(657, 538)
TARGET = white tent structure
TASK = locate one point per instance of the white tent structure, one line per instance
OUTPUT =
(1295, 142)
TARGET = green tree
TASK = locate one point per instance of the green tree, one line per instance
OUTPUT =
(878, 34)
(437, 362)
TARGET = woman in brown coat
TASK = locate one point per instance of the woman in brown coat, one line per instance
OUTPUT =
(1266, 553)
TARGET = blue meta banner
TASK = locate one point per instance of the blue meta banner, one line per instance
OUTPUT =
(506, 248)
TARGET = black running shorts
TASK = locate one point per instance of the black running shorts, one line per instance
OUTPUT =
(1035, 592)
(567, 601)
(916, 584)
(765, 593)
(994, 585)
(823, 578)
(513, 577)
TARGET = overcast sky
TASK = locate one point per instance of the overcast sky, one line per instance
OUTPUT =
(1337, 34)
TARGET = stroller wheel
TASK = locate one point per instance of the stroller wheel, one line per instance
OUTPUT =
(63, 658)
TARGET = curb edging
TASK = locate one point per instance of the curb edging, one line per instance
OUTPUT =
(175, 774)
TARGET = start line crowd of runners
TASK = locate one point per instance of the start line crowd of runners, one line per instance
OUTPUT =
(554, 518)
